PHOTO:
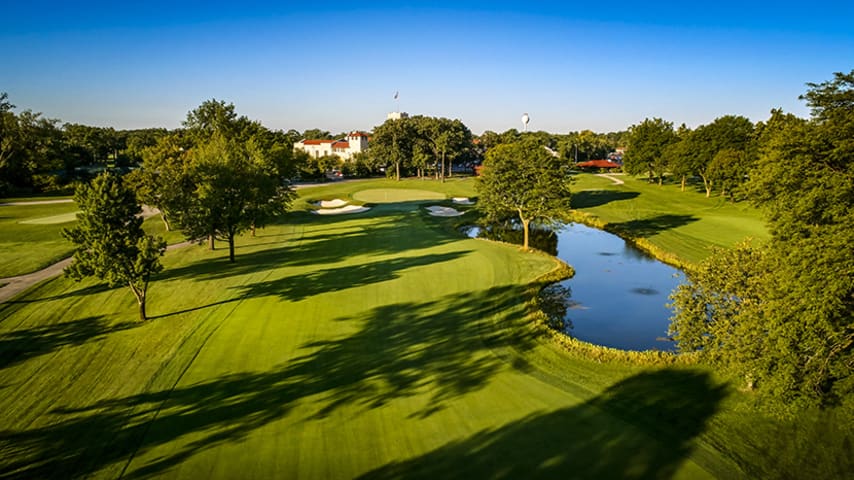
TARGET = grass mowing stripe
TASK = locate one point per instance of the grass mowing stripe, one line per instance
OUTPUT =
(378, 346)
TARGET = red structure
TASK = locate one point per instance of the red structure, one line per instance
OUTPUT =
(598, 164)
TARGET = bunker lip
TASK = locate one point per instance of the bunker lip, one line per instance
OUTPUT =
(334, 203)
(341, 210)
(462, 201)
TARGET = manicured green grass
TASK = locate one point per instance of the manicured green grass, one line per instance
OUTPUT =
(53, 219)
(376, 345)
(30, 235)
(26, 246)
(686, 224)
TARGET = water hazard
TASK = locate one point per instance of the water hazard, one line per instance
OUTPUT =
(618, 295)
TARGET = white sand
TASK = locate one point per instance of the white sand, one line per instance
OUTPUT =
(332, 203)
(438, 211)
(462, 201)
(339, 211)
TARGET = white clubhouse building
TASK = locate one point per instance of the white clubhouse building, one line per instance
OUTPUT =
(345, 149)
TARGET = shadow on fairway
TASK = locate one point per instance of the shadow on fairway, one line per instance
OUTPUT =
(641, 427)
(77, 292)
(440, 349)
(19, 345)
(595, 198)
(299, 287)
(648, 227)
(338, 240)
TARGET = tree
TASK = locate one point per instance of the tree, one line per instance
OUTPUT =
(728, 169)
(647, 143)
(109, 241)
(236, 186)
(163, 181)
(781, 315)
(523, 179)
(702, 144)
(394, 141)
(445, 138)
(235, 175)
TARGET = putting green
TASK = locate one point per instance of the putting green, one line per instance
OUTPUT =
(395, 195)
(51, 220)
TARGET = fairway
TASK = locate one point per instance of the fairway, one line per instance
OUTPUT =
(53, 219)
(333, 348)
(374, 346)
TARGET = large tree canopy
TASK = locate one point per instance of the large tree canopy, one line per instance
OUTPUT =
(647, 143)
(109, 241)
(524, 180)
(782, 314)
(233, 178)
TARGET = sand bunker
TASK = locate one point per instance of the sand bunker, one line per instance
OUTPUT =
(332, 203)
(339, 211)
(462, 201)
(438, 211)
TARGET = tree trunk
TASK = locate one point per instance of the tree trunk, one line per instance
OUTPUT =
(443, 166)
(211, 241)
(525, 225)
(683, 183)
(252, 229)
(660, 180)
(231, 247)
(140, 299)
(708, 185)
(397, 171)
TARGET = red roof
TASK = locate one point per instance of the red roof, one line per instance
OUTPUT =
(358, 134)
(341, 145)
(316, 142)
(598, 164)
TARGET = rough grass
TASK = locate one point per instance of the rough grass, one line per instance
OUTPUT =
(381, 346)
(685, 224)
(26, 247)
(30, 235)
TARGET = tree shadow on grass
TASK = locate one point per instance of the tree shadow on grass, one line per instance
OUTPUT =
(596, 198)
(641, 427)
(389, 234)
(439, 348)
(17, 346)
(649, 227)
(299, 287)
(80, 291)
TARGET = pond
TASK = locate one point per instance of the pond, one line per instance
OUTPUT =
(618, 295)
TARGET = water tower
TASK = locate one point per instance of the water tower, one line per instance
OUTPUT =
(525, 120)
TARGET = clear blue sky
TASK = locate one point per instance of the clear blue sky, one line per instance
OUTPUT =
(571, 66)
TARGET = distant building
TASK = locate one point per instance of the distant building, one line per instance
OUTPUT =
(355, 142)
(396, 115)
(601, 164)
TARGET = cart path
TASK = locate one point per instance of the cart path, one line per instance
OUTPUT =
(616, 180)
(10, 287)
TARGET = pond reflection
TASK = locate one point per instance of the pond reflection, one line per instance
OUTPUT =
(619, 294)
(509, 231)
